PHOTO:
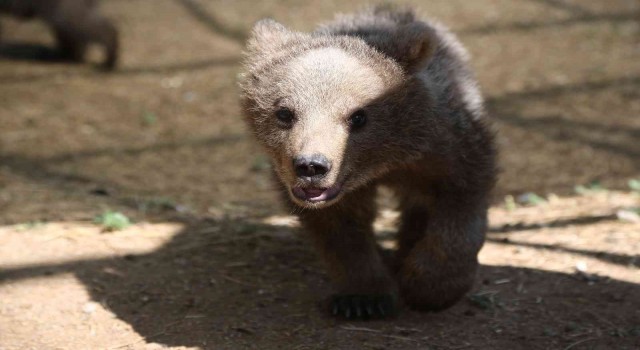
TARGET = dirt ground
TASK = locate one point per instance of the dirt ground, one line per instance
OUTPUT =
(212, 261)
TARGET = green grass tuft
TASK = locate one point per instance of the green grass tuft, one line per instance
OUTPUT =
(112, 221)
(531, 198)
(634, 184)
(149, 119)
(590, 188)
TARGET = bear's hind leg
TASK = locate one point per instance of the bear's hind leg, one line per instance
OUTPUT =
(343, 234)
(438, 251)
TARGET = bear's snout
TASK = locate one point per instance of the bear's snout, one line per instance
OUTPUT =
(312, 167)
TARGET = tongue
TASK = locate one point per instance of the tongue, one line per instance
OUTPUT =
(314, 192)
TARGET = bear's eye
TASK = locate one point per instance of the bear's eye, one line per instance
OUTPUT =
(358, 119)
(285, 115)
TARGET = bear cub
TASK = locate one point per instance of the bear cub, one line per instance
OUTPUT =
(378, 97)
(75, 24)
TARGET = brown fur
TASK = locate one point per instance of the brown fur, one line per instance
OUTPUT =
(426, 137)
(75, 25)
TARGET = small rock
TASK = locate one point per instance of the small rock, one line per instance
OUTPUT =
(628, 216)
(90, 307)
(189, 96)
(99, 191)
(581, 266)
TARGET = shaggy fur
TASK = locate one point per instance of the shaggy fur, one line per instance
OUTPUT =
(75, 24)
(426, 137)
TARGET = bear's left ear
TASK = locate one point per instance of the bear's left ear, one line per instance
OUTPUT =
(267, 35)
(411, 45)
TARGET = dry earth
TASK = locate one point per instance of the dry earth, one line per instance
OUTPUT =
(211, 262)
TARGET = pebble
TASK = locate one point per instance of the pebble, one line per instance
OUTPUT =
(628, 216)
(90, 307)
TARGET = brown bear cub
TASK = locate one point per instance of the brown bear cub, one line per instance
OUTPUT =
(377, 98)
(75, 23)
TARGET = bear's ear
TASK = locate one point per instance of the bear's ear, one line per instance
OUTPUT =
(268, 34)
(412, 45)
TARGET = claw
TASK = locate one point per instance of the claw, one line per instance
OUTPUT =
(335, 309)
(358, 307)
(369, 309)
(362, 307)
(381, 310)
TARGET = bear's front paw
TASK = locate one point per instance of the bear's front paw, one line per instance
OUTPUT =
(363, 307)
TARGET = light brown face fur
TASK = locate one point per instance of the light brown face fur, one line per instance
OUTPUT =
(323, 87)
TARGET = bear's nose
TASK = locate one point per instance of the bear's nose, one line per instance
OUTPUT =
(314, 166)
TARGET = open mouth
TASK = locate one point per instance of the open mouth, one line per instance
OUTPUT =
(316, 194)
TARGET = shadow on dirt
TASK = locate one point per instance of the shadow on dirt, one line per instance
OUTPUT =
(554, 23)
(195, 65)
(29, 52)
(211, 22)
(42, 170)
(559, 91)
(617, 140)
(563, 5)
(574, 221)
(619, 259)
(196, 290)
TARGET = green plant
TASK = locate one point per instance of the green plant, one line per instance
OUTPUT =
(157, 204)
(485, 300)
(149, 118)
(510, 203)
(592, 187)
(30, 225)
(634, 184)
(531, 198)
(112, 221)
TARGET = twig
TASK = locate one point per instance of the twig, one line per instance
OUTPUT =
(453, 347)
(363, 329)
(579, 342)
(235, 239)
(485, 292)
(465, 345)
(407, 329)
(237, 264)
(207, 230)
(602, 319)
(236, 281)
(360, 329)
(400, 338)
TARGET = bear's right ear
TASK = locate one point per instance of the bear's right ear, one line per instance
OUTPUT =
(267, 35)
(411, 45)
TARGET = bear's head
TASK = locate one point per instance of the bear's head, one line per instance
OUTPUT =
(335, 112)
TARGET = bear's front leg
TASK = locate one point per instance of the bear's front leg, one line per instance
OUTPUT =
(438, 249)
(343, 234)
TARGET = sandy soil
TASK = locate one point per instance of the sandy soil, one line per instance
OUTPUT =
(212, 262)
